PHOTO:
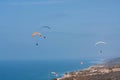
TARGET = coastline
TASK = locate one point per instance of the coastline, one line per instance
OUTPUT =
(95, 72)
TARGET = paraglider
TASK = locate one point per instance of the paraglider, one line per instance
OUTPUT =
(54, 73)
(45, 30)
(36, 34)
(100, 51)
(81, 63)
(100, 45)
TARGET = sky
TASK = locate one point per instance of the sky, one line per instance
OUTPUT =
(76, 25)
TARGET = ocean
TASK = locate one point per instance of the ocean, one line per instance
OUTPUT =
(39, 70)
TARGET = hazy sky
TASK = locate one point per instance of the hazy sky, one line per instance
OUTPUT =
(76, 25)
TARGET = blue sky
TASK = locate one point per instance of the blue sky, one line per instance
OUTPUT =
(76, 26)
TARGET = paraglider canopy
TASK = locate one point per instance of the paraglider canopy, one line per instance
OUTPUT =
(81, 62)
(46, 27)
(100, 43)
(36, 33)
(53, 72)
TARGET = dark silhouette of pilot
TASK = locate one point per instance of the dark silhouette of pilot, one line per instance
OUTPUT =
(36, 44)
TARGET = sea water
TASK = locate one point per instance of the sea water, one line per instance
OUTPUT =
(39, 70)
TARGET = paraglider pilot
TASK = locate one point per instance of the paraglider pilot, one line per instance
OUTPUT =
(36, 44)
(44, 37)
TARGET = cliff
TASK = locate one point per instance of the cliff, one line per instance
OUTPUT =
(107, 71)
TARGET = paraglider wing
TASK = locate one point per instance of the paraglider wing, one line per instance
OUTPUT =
(81, 62)
(46, 27)
(36, 33)
(100, 43)
(53, 73)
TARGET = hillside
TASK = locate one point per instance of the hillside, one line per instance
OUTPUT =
(110, 70)
(112, 62)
